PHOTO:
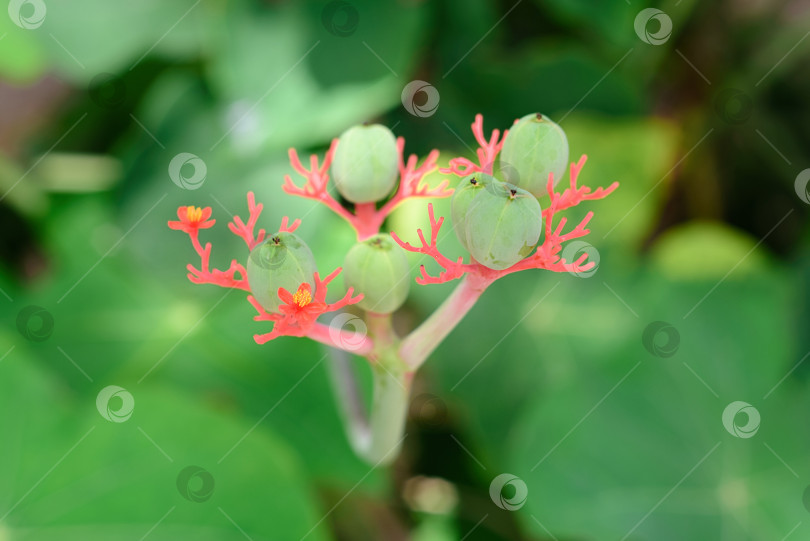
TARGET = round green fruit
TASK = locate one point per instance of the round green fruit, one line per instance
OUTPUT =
(283, 260)
(378, 268)
(504, 223)
(365, 163)
(468, 188)
(534, 147)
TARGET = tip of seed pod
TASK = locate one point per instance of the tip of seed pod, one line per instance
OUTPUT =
(539, 117)
(473, 181)
(276, 240)
(513, 192)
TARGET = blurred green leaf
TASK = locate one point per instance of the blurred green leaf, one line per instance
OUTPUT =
(22, 58)
(89, 37)
(587, 442)
(123, 480)
(701, 250)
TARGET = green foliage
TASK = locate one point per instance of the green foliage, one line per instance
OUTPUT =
(549, 378)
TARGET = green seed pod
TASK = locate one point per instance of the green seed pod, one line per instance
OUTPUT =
(468, 188)
(365, 164)
(283, 260)
(378, 268)
(503, 225)
(533, 148)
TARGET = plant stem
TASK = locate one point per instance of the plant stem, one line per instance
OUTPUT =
(389, 408)
(376, 436)
(418, 345)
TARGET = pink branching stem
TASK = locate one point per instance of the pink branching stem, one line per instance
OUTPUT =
(486, 152)
(366, 218)
(245, 231)
(452, 269)
(227, 278)
(295, 323)
(206, 275)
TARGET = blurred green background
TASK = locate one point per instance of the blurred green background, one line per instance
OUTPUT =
(613, 421)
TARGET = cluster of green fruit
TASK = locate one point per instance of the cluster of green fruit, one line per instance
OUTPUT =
(499, 223)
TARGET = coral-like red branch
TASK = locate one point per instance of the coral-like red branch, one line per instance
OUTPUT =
(452, 269)
(486, 152)
(298, 315)
(410, 179)
(366, 219)
(245, 231)
(546, 256)
(300, 320)
(192, 219)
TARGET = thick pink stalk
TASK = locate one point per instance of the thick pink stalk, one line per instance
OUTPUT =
(426, 338)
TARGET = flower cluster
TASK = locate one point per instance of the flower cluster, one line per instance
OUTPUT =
(297, 316)
(299, 309)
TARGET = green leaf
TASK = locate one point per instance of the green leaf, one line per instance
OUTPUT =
(71, 474)
(88, 37)
(638, 440)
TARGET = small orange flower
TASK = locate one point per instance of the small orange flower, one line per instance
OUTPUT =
(299, 304)
(192, 219)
